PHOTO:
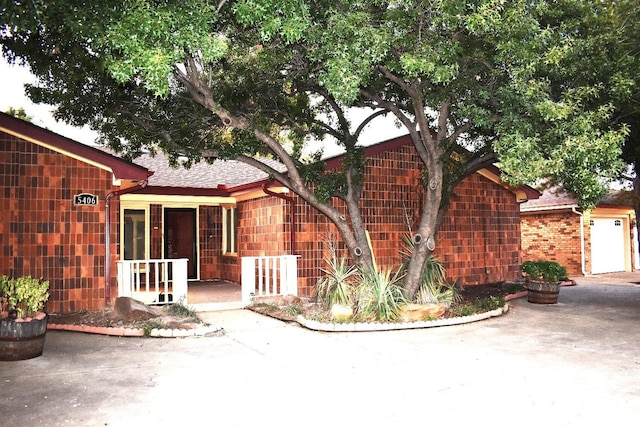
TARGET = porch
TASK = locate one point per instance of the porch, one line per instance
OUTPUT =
(214, 295)
(164, 281)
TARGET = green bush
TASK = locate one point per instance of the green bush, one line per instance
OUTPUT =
(25, 295)
(544, 271)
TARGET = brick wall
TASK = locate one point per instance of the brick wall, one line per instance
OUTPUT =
(553, 236)
(42, 233)
(263, 230)
(479, 241)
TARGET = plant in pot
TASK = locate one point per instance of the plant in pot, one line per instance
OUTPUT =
(23, 323)
(543, 280)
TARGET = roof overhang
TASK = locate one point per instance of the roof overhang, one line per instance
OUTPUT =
(548, 208)
(523, 192)
(124, 174)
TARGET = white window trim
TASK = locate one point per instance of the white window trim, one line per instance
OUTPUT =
(147, 233)
(226, 233)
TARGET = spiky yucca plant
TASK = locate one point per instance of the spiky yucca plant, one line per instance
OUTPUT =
(337, 286)
(433, 285)
(379, 295)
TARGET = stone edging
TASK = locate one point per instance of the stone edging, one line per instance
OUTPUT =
(379, 326)
(135, 332)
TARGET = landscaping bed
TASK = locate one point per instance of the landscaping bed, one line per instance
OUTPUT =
(474, 299)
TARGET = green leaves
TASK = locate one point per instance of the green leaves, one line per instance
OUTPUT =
(25, 295)
(150, 40)
(288, 19)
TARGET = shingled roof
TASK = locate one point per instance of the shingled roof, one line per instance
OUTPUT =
(557, 198)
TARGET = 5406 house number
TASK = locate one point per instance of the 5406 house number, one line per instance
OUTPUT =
(85, 199)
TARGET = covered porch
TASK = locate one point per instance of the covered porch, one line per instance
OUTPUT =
(164, 281)
(214, 295)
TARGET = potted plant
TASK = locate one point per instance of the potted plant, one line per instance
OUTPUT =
(23, 323)
(543, 280)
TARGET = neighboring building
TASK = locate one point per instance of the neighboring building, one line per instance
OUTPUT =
(215, 214)
(585, 242)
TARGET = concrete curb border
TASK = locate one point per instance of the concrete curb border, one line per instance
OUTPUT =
(135, 332)
(379, 326)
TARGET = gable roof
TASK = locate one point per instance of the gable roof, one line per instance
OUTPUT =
(523, 192)
(555, 198)
(227, 175)
(124, 173)
(203, 178)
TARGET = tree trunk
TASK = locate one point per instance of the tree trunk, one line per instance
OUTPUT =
(424, 241)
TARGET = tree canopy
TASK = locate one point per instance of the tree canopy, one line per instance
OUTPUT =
(517, 83)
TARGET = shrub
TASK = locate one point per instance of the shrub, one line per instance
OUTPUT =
(23, 296)
(337, 286)
(544, 271)
(379, 296)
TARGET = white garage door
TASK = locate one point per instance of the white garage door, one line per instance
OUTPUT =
(607, 245)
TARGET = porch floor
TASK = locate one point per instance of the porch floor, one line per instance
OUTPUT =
(213, 295)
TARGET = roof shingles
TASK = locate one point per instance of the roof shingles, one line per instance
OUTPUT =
(231, 173)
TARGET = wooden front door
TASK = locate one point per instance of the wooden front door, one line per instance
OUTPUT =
(180, 237)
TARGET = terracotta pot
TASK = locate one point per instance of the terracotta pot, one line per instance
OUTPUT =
(22, 340)
(543, 292)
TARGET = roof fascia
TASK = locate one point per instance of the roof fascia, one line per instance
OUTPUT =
(120, 169)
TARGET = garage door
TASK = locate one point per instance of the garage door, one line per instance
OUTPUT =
(607, 245)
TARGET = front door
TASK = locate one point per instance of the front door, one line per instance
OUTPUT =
(180, 237)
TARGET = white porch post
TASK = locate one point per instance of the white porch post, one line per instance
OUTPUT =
(290, 269)
(180, 280)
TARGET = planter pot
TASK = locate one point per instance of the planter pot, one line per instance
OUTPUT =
(542, 293)
(22, 340)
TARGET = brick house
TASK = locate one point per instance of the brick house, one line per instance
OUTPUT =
(598, 241)
(73, 212)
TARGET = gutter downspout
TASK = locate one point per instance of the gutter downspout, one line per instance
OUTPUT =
(292, 202)
(107, 238)
(583, 261)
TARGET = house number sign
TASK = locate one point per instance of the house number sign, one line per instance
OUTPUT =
(85, 199)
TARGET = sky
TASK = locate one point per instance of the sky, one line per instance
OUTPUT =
(14, 77)
(12, 81)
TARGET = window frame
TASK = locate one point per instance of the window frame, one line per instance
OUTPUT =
(134, 207)
(229, 237)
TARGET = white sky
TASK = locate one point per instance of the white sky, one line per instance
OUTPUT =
(12, 81)
(14, 77)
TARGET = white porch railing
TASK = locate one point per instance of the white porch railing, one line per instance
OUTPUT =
(269, 276)
(153, 281)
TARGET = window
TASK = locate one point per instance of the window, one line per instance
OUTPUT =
(229, 230)
(134, 234)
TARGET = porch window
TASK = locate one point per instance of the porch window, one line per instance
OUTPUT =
(229, 231)
(134, 234)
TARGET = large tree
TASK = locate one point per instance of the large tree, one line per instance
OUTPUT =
(473, 82)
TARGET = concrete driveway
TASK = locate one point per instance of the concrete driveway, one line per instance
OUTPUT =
(576, 363)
